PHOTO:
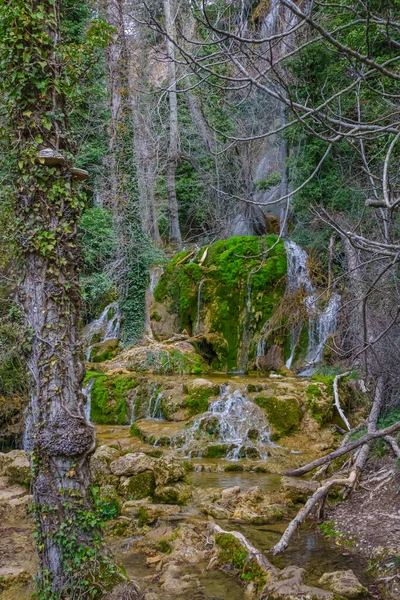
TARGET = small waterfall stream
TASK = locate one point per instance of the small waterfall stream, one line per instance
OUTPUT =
(321, 324)
(108, 326)
(87, 392)
(233, 420)
(196, 330)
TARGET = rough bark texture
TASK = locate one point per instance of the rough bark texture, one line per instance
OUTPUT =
(173, 148)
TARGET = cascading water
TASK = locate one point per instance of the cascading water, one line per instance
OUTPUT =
(319, 331)
(107, 326)
(87, 392)
(321, 325)
(232, 420)
(154, 410)
(196, 330)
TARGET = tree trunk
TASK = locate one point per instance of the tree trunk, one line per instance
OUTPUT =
(173, 148)
(48, 208)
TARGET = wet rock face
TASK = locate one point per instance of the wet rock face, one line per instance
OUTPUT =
(289, 585)
(168, 469)
(15, 465)
(272, 361)
(343, 583)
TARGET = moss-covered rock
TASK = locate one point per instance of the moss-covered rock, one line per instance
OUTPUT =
(174, 493)
(216, 451)
(284, 414)
(231, 270)
(19, 470)
(103, 351)
(110, 397)
(138, 486)
(233, 553)
(319, 403)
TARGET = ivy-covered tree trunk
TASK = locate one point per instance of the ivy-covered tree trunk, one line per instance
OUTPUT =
(173, 148)
(37, 93)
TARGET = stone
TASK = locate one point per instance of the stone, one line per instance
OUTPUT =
(8, 457)
(203, 384)
(288, 585)
(298, 490)
(125, 591)
(272, 361)
(343, 583)
(132, 464)
(100, 466)
(109, 494)
(215, 511)
(19, 470)
(168, 469)
(138, 486)
(175, 493)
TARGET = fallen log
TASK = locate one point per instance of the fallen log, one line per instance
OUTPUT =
(344, 450)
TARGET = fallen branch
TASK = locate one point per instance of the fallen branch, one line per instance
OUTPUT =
(337, 399)
(311, 503)
(344, 450)
(393, 444)
(261, 560)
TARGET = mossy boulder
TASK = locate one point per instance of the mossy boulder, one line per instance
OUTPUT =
(109, 500)
(343, 583)
(210, 294)
(216, 451)
(100, 466)
(168, 469)
(231, 552)
(132, 464)
(319, 403)
(298, 490)
(19, 470)
(138, 486)
(110, 398)
(174, 493)
(103, 351)
(284, 414)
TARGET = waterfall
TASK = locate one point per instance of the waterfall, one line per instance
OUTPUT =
(319, 331)
(154, 410)
(197, 324)
(105, 326)
(87, 392)
(235, 421)
(321, 324)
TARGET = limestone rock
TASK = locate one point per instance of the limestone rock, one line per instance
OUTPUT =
(289, 586)
(100, 466)
(19, 470)
(203, 384)
(168, 469)
(272, 361)
(138, 486)
(343, 583)
(175, 493)
(298, 490)
(7, 458)
(132, 464)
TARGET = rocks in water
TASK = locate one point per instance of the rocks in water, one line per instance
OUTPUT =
(174, 493)
(168, 469)
(343, 583)
(132, 464)
(272, 361)
(288, 585)
(138, 486)
(298, 490)
(203, 385)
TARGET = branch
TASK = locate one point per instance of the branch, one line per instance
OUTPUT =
(337, 399)
(345, 450)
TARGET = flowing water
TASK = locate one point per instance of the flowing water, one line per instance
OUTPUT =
(321, 324)
(87, 392)
(232, 420)
(106, 327)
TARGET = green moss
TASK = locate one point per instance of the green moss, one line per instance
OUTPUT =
(109, 398)
(233, 553)
(138, 486)
(313, 391)
(197, 402)
(143, 518)
(232, 268)
(233, 468)
(216, 451)
(135, 431)
(283, 414)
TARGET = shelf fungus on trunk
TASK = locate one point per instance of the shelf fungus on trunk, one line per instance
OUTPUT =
(51, 158)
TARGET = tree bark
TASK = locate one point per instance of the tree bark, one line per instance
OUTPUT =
(57, 436)
(173, 148)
